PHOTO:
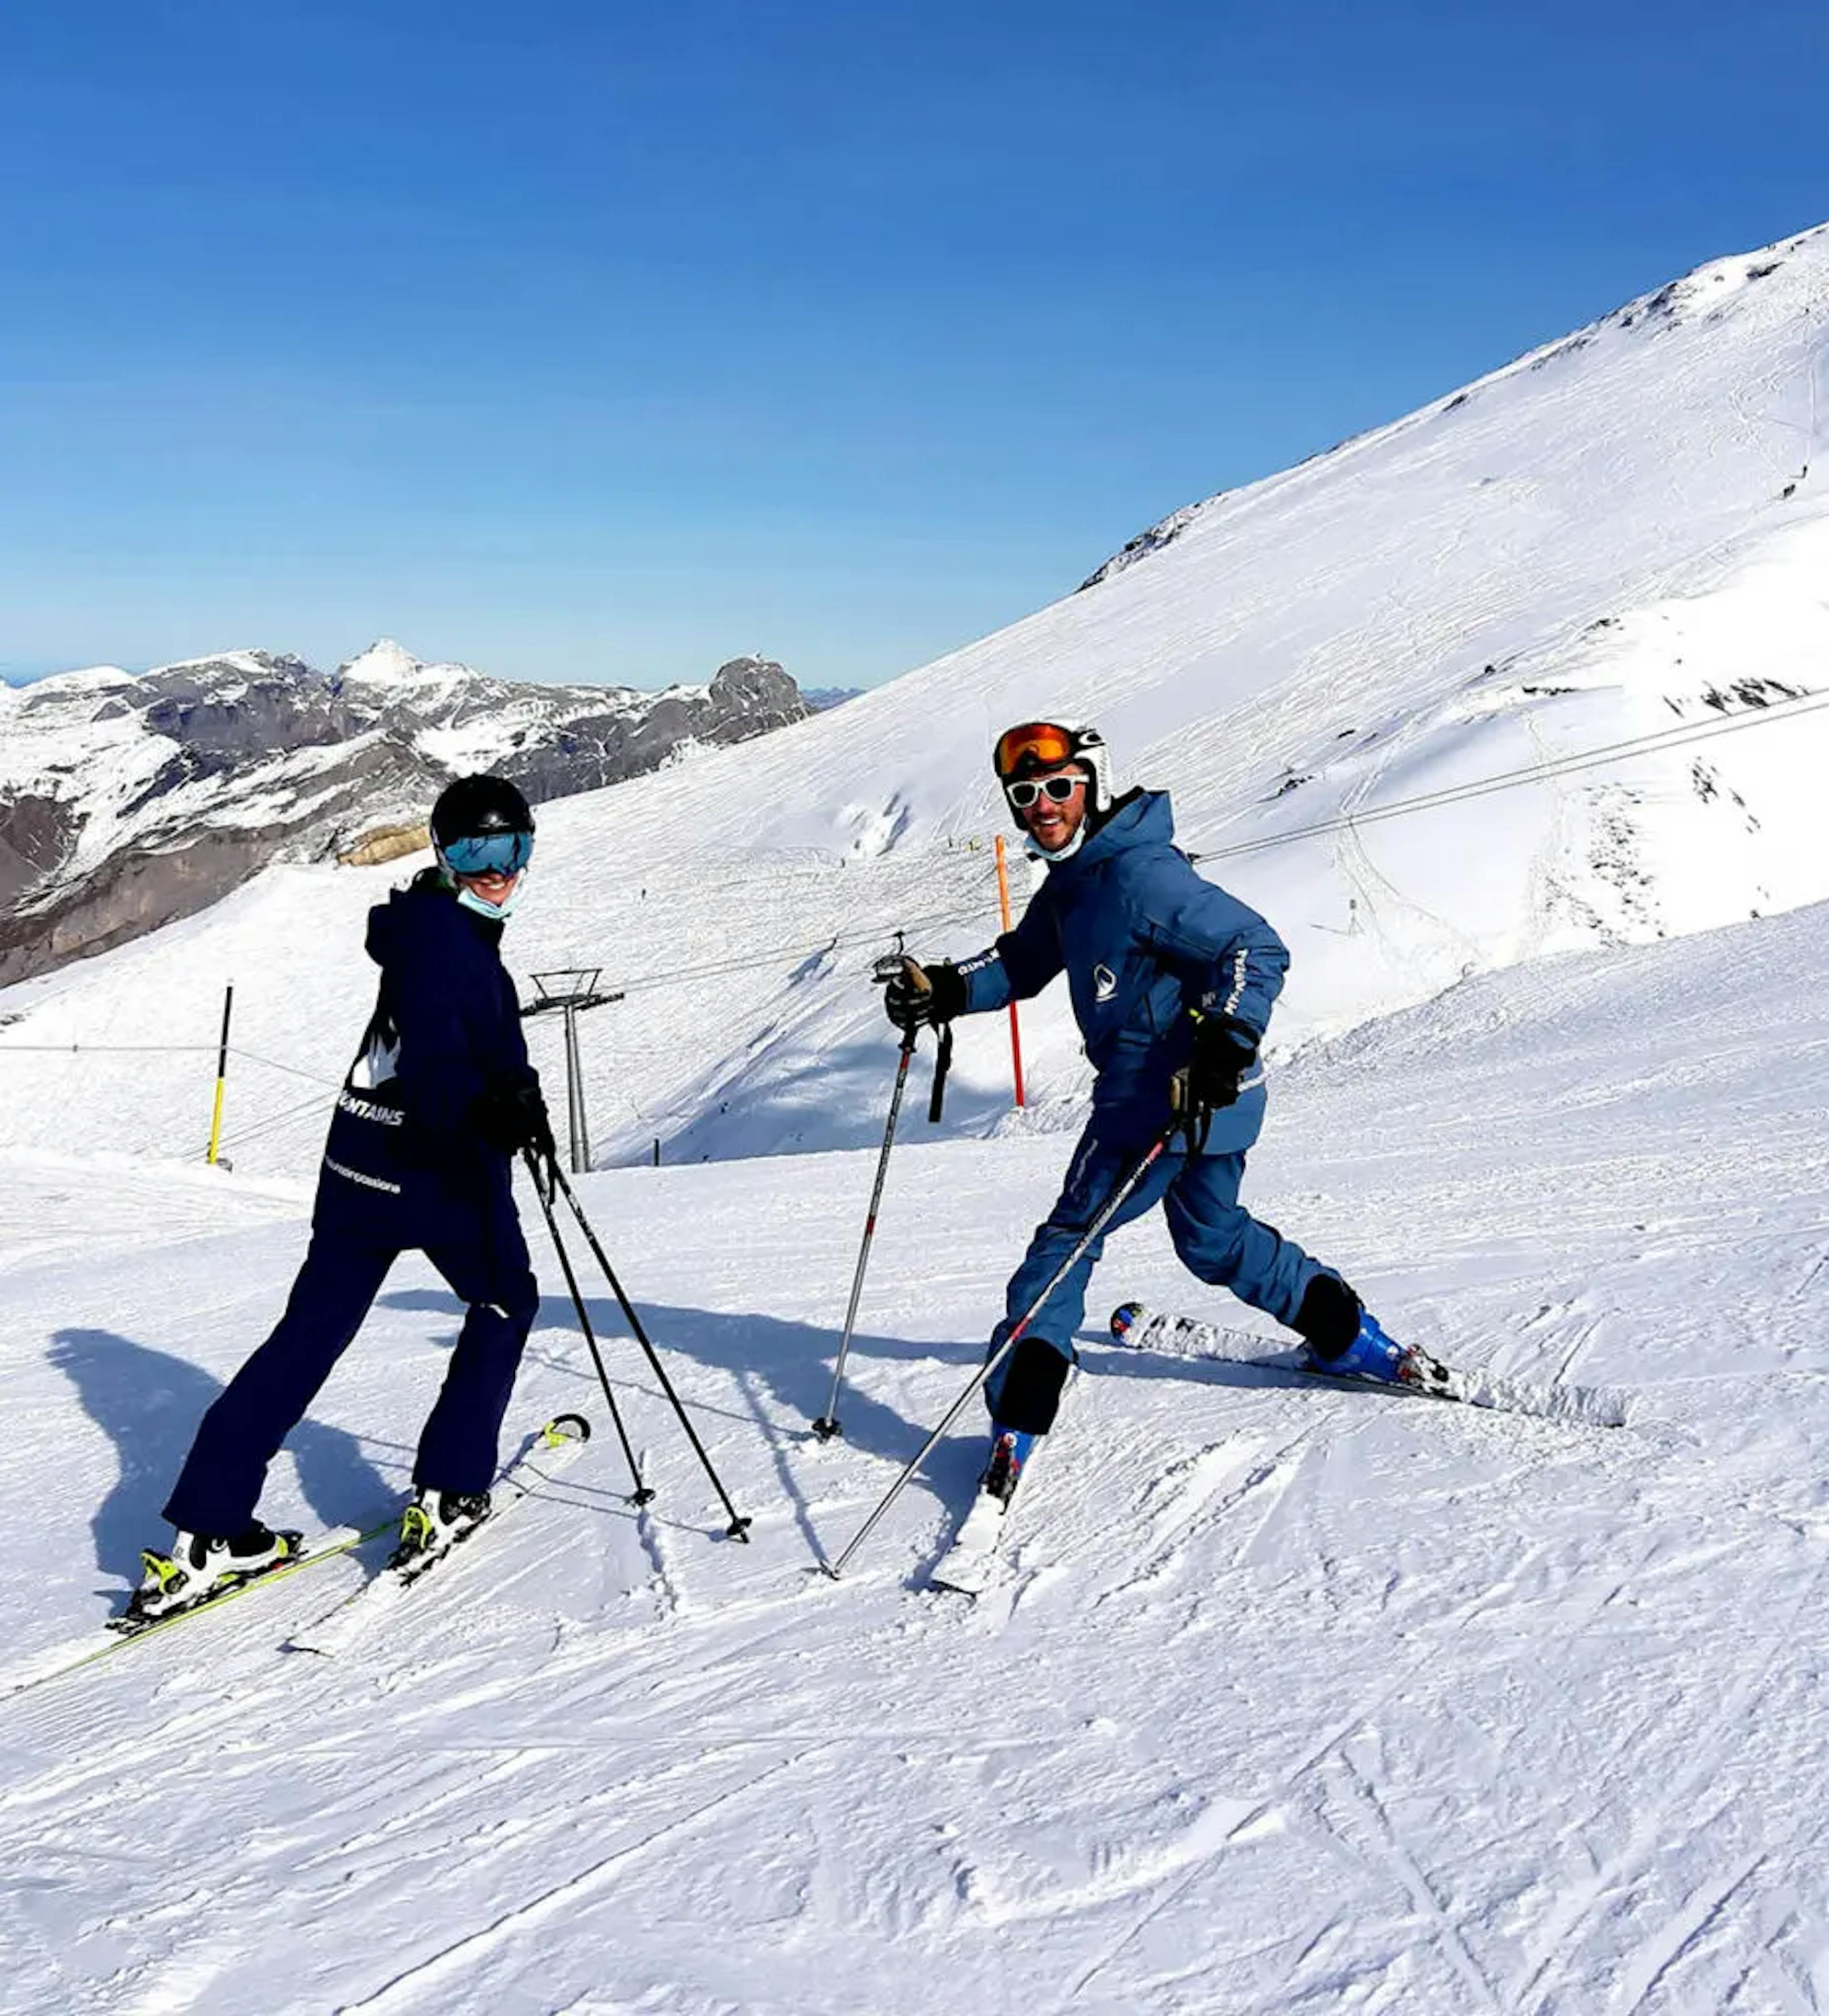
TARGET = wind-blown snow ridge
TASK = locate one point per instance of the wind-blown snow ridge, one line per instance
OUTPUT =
(1706, 289)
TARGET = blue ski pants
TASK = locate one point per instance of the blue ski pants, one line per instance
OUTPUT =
(1218, 1240)
(221, 1483)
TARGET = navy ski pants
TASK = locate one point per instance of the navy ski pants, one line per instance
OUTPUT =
(1218, 1240)
(221, 1483)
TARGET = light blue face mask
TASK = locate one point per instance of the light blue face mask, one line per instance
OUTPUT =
(496, 912)
(1033, 848)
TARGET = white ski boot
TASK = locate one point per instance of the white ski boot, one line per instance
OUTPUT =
(434, 1524)
(199, 1567)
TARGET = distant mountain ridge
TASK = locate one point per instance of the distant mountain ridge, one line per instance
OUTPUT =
(127, 801)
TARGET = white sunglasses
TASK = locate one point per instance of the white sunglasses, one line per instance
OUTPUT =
(1025, 792)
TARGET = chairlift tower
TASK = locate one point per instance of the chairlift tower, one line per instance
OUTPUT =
(572, 989)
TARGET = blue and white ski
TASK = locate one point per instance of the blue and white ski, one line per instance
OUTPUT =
(971, 1562)
(1142, 1329)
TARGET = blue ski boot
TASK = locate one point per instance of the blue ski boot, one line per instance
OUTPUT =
(1371, 1355)
(1009, 1451)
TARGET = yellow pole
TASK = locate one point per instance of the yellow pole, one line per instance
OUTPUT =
(222, 1074)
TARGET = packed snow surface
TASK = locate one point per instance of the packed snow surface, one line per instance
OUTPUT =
(1289, 1697)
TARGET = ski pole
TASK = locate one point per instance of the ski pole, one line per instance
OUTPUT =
(1106, 1211)
(642, 1493)
(827, 1425)
(738, 1529)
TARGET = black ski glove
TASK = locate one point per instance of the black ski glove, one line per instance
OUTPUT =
(918, 995)
(512, 1115)
(1225, 1052)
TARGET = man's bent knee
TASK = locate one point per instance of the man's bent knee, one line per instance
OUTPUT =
(1028, 1386)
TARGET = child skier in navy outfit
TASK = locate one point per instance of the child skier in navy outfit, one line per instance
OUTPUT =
(1172, 981)
(440, 1099)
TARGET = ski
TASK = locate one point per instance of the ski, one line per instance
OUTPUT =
(540, 1459)
(125, 1633)
(973, 1555)
(970, 1563)
(1140, 1328)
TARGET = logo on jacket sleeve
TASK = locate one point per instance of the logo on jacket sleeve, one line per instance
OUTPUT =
(1104, 983)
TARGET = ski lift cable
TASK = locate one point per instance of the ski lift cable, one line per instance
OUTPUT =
(1682, 736)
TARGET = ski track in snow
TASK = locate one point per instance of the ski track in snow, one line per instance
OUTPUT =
(1290, 1697)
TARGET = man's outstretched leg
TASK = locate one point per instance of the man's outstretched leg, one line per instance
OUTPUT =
(1221, 1242)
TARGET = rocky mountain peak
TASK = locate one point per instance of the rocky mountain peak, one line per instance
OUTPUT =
(126, 801)
(384, 662)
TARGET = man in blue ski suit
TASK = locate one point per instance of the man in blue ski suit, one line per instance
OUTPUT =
(439, 1099)
(1172, 981)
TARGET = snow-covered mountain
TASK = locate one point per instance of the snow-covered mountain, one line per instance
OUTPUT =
(1621, 537)
(126, 801)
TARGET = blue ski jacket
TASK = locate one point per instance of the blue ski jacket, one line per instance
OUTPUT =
(404, 1144)
(1142, 939)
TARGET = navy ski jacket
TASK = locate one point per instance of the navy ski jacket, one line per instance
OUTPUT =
(445, 1029)
(1142, 939)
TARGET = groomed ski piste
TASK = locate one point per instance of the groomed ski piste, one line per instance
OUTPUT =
(1283, 1697)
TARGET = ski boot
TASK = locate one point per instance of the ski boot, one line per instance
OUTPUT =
(1009, 1451)
(434, 1524)
(199, 1567)
(1369, 1354)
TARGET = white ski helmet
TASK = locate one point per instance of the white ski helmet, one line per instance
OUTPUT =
(1035, 747)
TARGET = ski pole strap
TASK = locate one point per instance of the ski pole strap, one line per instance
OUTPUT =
(943, 1065)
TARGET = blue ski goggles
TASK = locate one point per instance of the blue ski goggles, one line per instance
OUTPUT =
(488, 853)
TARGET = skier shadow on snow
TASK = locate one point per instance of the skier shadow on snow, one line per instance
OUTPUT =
(842, 1110)
(149, 1404)
(782, 1370)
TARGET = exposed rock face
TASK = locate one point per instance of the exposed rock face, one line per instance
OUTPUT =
(747, 697)
(126, 802)
(35, 837)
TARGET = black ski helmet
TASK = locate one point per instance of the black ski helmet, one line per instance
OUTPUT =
(480, 808)
(473, 806)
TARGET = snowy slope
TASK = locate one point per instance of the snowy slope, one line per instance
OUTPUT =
(1292, 1698)
(1624, 534)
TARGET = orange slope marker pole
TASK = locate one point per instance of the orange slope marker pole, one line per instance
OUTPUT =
(1015, 1028)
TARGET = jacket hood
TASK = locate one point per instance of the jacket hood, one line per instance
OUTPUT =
(1139, 818)
(415, 921)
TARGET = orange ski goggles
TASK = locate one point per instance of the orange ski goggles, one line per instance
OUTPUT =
(1036, 745)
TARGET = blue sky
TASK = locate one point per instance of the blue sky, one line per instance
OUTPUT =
(610, 341)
